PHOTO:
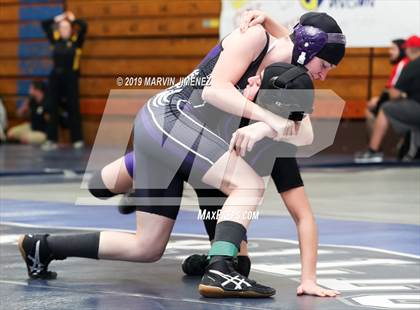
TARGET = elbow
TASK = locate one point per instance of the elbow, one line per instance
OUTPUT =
(207, 94)
(309, 137)
(302, 142)
(82, 24)
(306, 137)
(212, 92)
(308, 132)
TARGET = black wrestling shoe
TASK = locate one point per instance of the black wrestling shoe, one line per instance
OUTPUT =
(221, 280)
(36, 254)
(195, 265)
(126, 206)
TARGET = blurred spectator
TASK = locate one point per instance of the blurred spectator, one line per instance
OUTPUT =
(399, 60)
(402, 110)
(3, 121)
(66, 35)
(32, 132)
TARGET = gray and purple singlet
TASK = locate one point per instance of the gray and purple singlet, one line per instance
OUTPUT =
(178, 137)
(176, 125)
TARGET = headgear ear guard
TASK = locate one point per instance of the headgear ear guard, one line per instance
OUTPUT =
(286, 90)
(309, 41)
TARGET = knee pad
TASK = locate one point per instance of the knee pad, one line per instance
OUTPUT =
(97, 187)
(286, 174)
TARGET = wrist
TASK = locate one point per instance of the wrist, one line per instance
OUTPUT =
(262, 115)
(266, 21)
(71, 17)
(59, 18)
(267, 130)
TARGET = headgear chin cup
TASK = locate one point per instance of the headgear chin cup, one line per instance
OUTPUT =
(309, 41)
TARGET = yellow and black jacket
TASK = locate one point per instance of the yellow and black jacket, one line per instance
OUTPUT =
(66, 53)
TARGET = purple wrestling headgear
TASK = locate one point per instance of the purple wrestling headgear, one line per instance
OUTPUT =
(317, 34)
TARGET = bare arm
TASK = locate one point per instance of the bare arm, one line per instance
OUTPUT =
(304, 133)
(239, 51)
(60, 17)
(244, 139)
(298, 206)
(300, 210)
(275, 29)
(255, 17)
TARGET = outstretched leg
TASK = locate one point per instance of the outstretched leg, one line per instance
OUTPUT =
(146, 245)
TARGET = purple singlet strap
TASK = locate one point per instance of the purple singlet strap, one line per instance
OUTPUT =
(129, 162)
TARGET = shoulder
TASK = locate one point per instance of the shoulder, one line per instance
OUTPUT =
(251, 41)
(402, 63)
(412, 67)
(256, 31)
(255, 35)
(416, 63)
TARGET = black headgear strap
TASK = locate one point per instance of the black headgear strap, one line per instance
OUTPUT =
(284, 79)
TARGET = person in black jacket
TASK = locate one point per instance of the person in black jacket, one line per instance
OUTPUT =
(33, 130)
(66, 35)
(402, 111)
